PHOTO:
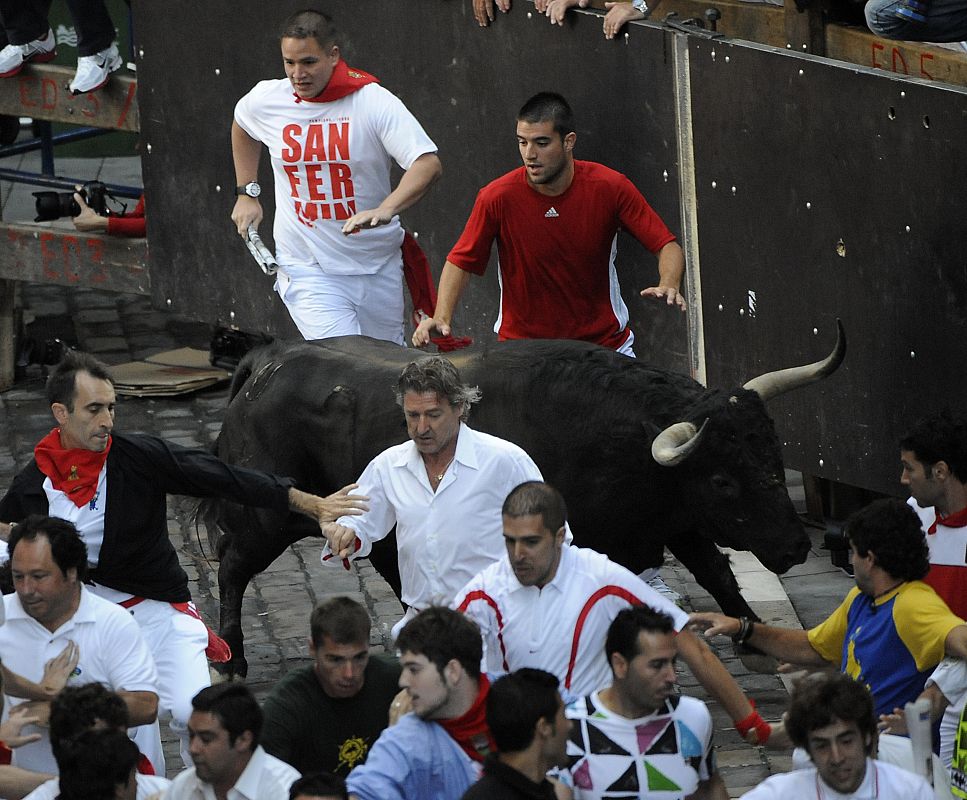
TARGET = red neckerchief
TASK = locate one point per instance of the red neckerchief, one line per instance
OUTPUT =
(145, 767)
(73, 472)
(344, 81)
(956, 520)
(470, 731)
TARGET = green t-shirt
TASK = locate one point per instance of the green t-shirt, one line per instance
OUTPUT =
(312, 731)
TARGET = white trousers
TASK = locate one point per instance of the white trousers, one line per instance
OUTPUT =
(177, 642)
(323, 305)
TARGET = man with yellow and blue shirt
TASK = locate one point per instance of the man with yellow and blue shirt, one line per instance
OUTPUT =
(889, 632)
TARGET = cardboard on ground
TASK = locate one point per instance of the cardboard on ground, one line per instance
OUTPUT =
(167, 374)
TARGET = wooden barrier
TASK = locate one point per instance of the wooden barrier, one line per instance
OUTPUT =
(42, 254)
(40, 92)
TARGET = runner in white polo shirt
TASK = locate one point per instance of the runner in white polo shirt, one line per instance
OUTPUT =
(548, 605)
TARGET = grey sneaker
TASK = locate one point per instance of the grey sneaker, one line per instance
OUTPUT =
(93, 71)
(14, 56)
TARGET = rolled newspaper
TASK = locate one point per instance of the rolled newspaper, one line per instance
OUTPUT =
(262, 255)
(917, 715)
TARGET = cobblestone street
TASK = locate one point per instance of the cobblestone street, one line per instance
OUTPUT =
(119, 328)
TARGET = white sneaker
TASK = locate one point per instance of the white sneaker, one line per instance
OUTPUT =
(93, 71)
(666, 591)
(14, 56)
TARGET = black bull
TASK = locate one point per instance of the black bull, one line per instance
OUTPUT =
(589, 418)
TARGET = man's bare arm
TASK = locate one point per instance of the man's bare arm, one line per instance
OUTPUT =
(414, 184)
(787, 644)
(328, 509)
(142, 707)
(453, 281)
(671, 268)
(245, 153)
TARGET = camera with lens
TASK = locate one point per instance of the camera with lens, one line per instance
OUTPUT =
(54, 205)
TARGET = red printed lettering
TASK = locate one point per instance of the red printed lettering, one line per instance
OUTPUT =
(291, 172)
(897, 55)
(315, 148)
(345, 210)
(25, 84)
(95, 248)
(92, 106)
(69, 254)
(48, 93)
(307, 213)
(340, 181)
(47, 256)
(314, 182)
(923, 69)
(874, 47)
(326, 210)
(294, 150)
(339, 141)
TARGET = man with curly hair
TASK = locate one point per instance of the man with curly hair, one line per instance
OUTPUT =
(889, 632)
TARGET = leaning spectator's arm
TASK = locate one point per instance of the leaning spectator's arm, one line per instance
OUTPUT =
(555, 10)
(88, 221)
(453, 281)
(618, 14)
(56, 673)
(415, 183)
(785, 643)
(245, 153)
(142, 707)
(483, 10)
(671, 267)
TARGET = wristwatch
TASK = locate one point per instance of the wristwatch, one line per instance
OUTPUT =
(642, 6)
(251, 189)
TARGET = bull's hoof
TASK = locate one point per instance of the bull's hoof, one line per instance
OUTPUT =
(755, 660)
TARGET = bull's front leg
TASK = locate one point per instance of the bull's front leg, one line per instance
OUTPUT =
(233, 579)
(713, 572)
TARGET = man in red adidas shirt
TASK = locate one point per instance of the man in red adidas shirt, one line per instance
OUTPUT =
(556, 222)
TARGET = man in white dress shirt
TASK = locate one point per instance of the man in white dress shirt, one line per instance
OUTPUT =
(443, 490)
(224, 731)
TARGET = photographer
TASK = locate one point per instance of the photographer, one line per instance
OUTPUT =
(89, 221)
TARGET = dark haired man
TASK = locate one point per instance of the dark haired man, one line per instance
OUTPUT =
(99, 765)
(933, 456)
(556, 222)
(546, 604)
(327, 715)
(889, 632)
(638, 736)
(224, 729)
(331, 132)
(78, 709)
(50, 609)
(434, 752)
(831, 717)
(442, 490)
(113, 487)
(525, 715)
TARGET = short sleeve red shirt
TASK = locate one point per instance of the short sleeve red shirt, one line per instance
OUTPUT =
(556, 254)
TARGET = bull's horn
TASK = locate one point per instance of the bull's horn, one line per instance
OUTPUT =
(773, 384)
(676, 443)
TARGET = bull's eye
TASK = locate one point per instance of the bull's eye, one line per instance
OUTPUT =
(725, 485)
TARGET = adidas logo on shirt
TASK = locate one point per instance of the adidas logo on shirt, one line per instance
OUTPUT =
(551, 212)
